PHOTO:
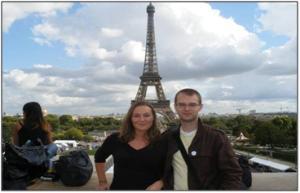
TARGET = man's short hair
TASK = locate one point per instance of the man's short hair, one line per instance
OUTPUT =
(189, 92)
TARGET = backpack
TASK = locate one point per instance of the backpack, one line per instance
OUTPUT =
(75, 168)
(247, 176)
(21, 165)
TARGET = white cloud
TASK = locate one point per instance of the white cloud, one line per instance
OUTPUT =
(108, 32)
(281, 60)
(73, 94)
(279, 17)
(229, 87)
(202, 43)
(71, 51)
(46, 29)
(23, 80)
(201, 26)
(94, 50)
(13, 11)
(133, 51)
(41, 41)
(44, 66)
(53, 99)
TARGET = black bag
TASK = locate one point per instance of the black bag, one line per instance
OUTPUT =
(247, 176)
(19, 184)
(74, 169)
(32, 155)
(22, 164)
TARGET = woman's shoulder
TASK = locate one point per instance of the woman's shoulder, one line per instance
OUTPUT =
(20, 122)
(113, 136)
(18, 126)
(48, 126)
(16, 132)
(112, 140)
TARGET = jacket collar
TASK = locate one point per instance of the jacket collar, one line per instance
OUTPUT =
(199, 132)
(199, 128)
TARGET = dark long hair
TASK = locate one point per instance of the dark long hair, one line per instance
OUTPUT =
(33, 117)
(127, 130)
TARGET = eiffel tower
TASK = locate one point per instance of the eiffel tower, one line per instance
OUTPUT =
(150, 75)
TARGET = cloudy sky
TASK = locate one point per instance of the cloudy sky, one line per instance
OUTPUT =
(86, 58)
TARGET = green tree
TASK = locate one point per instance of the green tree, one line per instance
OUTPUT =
(87, 138)
(53, 120)
(242, 123)
(292, 133)
(85, 124)
(287, 129)
(8, 123)
(66, 122)
(216, 122)
(58, 135)
(74, 134)
(106, 123)
(268, 133)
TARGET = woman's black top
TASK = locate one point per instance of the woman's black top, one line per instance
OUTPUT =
(28, 133)
(133, 169)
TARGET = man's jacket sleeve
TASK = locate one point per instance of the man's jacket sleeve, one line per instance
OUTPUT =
(231, 172)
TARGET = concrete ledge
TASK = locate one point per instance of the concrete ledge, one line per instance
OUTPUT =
(260, 182)
(275, 181)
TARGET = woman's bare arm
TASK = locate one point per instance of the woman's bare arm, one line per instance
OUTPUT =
(100, 168)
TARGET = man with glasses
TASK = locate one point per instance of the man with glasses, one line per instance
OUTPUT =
(209, 162)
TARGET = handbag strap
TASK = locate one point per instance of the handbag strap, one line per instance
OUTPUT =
(185, 156)
(40, 141)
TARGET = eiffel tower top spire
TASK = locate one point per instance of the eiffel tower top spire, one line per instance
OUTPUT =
(150, 8)
(150, 63)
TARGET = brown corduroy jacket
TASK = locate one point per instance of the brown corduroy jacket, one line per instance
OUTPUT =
(213, 157)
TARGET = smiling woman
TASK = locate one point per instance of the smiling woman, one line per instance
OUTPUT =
(137, 152)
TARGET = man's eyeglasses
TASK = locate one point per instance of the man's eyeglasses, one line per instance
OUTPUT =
(190, 105)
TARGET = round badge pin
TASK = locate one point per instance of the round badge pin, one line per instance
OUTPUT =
(194, 153)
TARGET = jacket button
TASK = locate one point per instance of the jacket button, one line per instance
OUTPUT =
(193, 153)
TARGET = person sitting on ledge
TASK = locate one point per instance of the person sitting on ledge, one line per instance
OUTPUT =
(33, 128)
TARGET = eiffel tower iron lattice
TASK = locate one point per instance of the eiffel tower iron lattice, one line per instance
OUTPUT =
(150, 75)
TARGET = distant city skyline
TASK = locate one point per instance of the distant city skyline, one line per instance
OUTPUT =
(251, 112)
(86, 58)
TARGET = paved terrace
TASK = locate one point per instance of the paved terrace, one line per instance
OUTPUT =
(260, 182)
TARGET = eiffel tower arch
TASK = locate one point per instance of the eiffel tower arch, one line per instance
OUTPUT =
(150, 76)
